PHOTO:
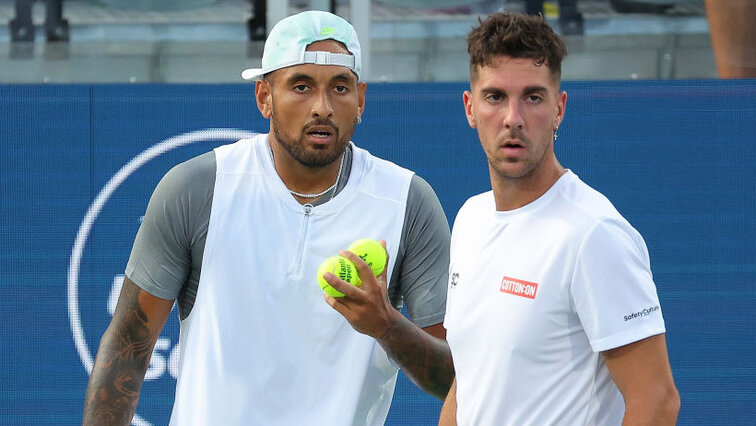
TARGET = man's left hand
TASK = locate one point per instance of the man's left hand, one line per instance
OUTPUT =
(366, 308)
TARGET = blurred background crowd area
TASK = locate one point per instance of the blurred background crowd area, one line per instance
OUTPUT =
(210, 41)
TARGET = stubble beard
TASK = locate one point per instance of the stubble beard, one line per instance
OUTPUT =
(510, 169)
(312, 158)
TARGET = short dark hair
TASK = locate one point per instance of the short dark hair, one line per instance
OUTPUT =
(518, 36)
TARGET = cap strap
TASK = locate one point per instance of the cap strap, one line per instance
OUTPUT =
(328, 58)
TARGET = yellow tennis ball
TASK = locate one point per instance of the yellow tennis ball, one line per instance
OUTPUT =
(342, 268)
(372, 252)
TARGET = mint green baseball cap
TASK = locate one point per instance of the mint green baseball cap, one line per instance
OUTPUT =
(290, 37)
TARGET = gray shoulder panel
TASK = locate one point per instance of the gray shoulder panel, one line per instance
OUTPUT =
(421, 273)
(167, 254)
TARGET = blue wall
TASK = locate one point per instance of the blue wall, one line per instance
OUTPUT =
(677, 159)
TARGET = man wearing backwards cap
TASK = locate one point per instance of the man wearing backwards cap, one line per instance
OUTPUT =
(235, 237)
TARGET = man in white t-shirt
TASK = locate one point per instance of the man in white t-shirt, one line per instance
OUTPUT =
(552, 314)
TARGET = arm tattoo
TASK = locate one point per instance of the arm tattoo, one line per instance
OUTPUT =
(122, 360)
(425, 359)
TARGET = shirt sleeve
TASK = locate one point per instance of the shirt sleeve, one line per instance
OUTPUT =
(161, 258)
(423, 259)
(612, 288)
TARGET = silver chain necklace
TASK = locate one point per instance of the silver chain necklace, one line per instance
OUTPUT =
(319, 194)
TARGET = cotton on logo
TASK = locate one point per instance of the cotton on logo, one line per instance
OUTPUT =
(159, 363)
(519, 287)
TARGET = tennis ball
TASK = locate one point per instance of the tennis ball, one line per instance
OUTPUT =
(372, 252)
(342, 268)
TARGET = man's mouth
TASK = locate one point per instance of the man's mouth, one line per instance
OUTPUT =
(513, 143)
(512, 147)
(320, 131)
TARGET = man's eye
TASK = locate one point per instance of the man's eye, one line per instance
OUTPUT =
(534, 99)
(493, 97)
(300, 87)
(342, 89)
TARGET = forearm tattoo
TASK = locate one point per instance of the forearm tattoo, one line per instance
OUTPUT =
(122, 361)
(425, 359)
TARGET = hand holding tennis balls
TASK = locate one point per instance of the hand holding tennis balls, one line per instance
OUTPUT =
(371, 251)
(367, 308)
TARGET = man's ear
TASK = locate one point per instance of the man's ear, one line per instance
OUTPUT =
(264, 98)
(561, 107)
(468, 101)
(361, 88)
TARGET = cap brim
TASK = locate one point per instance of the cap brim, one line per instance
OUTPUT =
(252, 74)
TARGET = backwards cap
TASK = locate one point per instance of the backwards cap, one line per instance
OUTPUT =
(290, 37)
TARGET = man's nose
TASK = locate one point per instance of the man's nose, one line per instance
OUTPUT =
(513, 118)
(322, 107)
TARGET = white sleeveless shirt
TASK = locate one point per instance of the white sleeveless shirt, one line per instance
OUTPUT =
(261, 346)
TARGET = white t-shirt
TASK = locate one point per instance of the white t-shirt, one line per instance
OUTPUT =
(535, 294)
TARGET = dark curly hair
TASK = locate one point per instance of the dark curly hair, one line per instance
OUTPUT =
(518, 36)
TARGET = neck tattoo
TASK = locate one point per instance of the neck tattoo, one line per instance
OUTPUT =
(319, 194)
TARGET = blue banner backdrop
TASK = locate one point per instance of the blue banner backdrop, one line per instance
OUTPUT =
(79, 162)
